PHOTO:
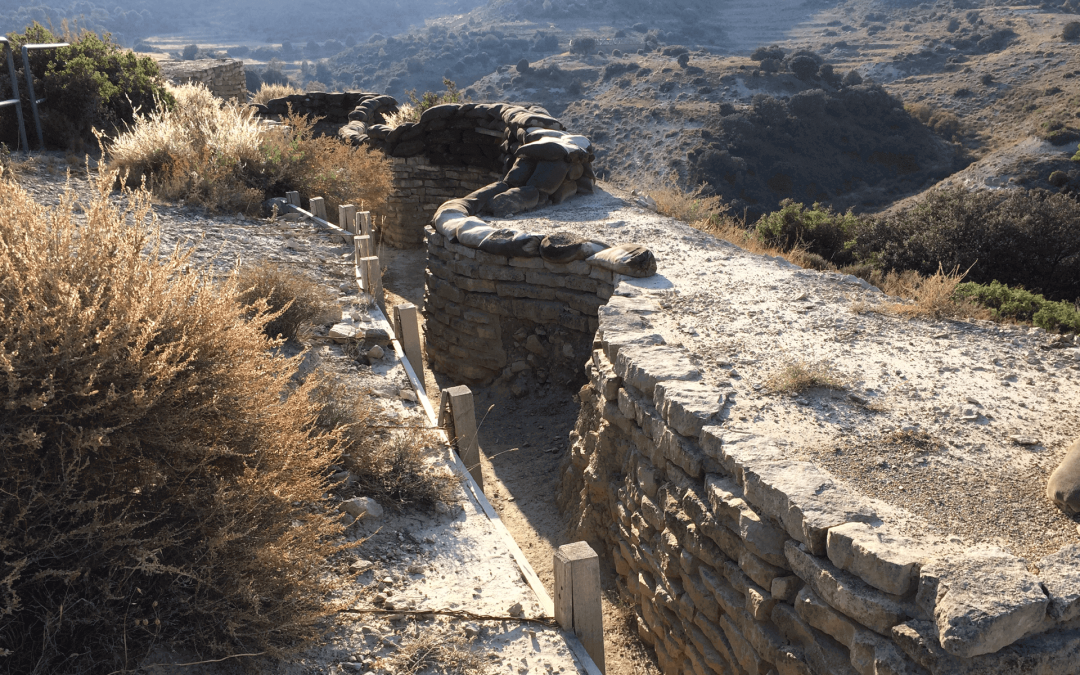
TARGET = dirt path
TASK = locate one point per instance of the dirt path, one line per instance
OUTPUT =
(523, 440)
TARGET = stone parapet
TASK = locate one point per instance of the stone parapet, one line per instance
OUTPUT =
(739, 559)
(223, 77)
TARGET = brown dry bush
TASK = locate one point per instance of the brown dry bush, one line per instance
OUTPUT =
(268, 92)
(218, 155)
(931, 297)
(800, 374)
(295, 299)
(156, 488)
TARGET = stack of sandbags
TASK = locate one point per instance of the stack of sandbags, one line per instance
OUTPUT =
(338, 107)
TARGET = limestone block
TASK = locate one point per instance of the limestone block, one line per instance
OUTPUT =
(711, 660)
(500, 273)
(727, 541)
(735, 449)
(687, 406)
(1053, 653)
(742, 650)
(805, 499)
(586, 303)
(701, 596)
(527, 263)
(1060, 574)
(643, 366)
(845, 592)
(981, 599)
(760, 571)
(685, 454)
(729, 599)
(814, 611)
(542, 278)
(652, 513)
(883, 559)
(759, 603)
(538, 311)
(785, 589)
(509, 289)
(825, 655)
(616, 340)
(764, 539)
(715, 637)
(607, 382)
(646, 477)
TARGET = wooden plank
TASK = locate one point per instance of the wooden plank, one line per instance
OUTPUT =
(372, 275)
(347, 217)
(363, 241)
(409, 335)
(363, 223)
(577, 597)
(461, 405)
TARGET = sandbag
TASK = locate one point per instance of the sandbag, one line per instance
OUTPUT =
(470, 231)
(438, 112)
(444, 221)
(520, 172)
(512, 244)
(576, 170)
(479, 200)
(536, 133)
(633, 260)
(548, 176)
(514, 200)
(567, 188)
(546, 149)
(593, 246)
(562, 247)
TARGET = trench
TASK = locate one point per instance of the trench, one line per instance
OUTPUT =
(523, 441)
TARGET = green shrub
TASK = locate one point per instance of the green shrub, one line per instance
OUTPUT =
(93, 83)
(1021, 305)
(431, 99)
(1021, 238)
(818, 229)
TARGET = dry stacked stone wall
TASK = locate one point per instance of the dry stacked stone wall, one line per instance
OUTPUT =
(419, 188)
(223, 77)
(741, 560)
(520, 320)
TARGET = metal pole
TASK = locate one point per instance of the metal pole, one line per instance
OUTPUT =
(30, 86)
(15, 92)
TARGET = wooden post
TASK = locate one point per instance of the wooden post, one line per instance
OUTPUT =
(577, 597)
(363, 223)
(464, 417)
(293, 198)
(363, 246)
(408, 334)
(318, 207)
(372, 276)
(347, 217)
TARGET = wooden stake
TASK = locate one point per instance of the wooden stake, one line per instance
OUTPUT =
(363, 243)
(577, 597)
(317, 206)
(347, 217)
(408, 333)
(372, 275)
(464, 416)
(293, 198)
(363, 223)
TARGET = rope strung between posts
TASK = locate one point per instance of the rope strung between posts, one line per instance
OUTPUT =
(457, 613)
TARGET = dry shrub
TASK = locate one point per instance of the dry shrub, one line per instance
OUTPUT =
(156, 487)
(931, 297)
(394, 466)
(437, 651)
(941, 122)
(406, 114)
(709, 214)
(294, 298)
(218, 155)
(268, 92)
(800, 374)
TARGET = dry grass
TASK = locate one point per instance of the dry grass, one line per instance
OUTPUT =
(406, 113)
(800, 374)
(268, 92)
(294, 298)
(437, 651)
(930, 296)
(218, 155)
(395, 467)
(156, 486)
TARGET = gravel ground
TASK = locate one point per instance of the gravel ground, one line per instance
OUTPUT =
(958, 423)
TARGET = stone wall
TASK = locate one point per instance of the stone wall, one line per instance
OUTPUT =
(522, 321)
(223, 77)
(740, 560)
(419, 188)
